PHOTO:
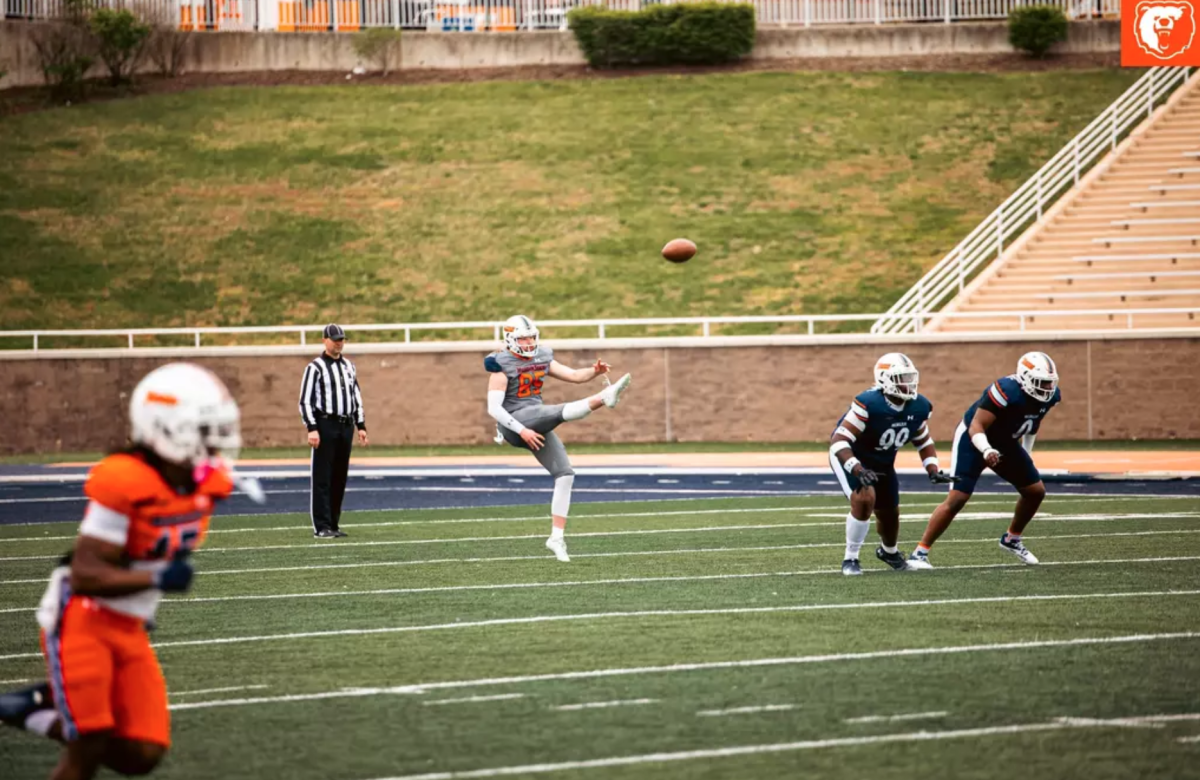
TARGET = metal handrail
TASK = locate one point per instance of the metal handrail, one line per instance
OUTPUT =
(916, 320)
(1029, 203)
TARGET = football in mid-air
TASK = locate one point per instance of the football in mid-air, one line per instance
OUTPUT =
(679, 250)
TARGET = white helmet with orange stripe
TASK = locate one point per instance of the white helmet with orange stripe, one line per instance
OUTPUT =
(1037, 375)
(896, 376)
(186, 415)
(517, 329)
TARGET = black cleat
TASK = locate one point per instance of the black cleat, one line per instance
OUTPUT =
(16, 706)
(339, 533)
(896, 560)
(851, 567)
(325, 533)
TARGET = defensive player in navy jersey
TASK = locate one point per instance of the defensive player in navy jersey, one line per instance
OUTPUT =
(516, 375)
(862, 454)
(998, 432)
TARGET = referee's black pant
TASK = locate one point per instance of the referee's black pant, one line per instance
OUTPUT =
(330, 464)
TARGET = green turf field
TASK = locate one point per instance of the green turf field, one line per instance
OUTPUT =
(806, 192)
(445, 641)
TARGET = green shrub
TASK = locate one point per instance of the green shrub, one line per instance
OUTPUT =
(683, 34)
(1035, 28)
(375, 45)
(120, 40)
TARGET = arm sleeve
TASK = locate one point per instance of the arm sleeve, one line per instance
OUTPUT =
(308, 396)
(107, 525)
(499, 414)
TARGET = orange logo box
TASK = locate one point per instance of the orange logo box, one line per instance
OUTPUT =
(1159, 32)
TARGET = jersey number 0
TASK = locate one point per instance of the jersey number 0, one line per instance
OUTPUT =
(530, 384)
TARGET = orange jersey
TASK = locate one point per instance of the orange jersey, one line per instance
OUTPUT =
(134, 507)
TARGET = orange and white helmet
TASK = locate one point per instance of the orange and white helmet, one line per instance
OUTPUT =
(896, 376)
(186, 415)
(1037, 375)
(517, 327)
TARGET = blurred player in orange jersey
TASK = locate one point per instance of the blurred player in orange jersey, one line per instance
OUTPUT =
(148, 507)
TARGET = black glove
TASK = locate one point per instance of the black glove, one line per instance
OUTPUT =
(177, 577)
(866, 476)
(940, 477)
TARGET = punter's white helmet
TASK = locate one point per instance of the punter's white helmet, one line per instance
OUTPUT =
(1037, 375)
(186, 415)
(896, 376)
(519, 327)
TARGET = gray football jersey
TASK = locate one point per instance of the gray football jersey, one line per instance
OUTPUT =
(525, 376)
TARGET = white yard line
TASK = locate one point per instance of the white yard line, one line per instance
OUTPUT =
(1189, 740)
(804, 512)
(15, 682)
(897, 718)
(654, 613)
(474, 699)
(599, 705)
(657, 531)
(690, 551)
(417, 688)
(748, 750)
(747, 710)
(220, 690)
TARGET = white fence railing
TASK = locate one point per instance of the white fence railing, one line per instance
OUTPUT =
(705, 327)
(512, 15)
(1030, 202)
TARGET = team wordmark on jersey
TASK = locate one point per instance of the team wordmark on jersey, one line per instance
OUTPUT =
(1158, 32)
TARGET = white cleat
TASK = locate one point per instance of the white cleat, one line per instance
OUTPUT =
(918, 562)
(611, 395)
(559, 548)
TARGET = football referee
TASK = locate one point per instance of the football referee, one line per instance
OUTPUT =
(331, 407)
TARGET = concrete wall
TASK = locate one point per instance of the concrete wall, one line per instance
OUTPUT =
(1112, 389)
(236, 51)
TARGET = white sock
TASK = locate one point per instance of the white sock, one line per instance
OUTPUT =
(556, 532)
(856, 534)
(576, 410)
(41, 721)
(888, 550)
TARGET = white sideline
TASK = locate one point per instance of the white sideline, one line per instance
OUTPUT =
(746, 750)
(592, 674)
(474, 699)
(994, 497)
(1189, 740)
(804, 512)
(643, 613)
(895, 718)
(747, 710)
(598, 705)
(633, 581)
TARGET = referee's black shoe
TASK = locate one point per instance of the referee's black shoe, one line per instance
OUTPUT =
(325, 533)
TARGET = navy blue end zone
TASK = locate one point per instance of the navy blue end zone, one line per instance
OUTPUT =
(43, 502)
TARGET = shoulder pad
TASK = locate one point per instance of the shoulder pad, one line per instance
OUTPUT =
(121, 482)
(491, 364)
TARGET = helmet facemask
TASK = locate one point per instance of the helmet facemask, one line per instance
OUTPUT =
(1038, 376)
(897, 377)
(520, 329)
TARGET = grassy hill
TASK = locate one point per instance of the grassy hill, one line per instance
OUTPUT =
(807, 192)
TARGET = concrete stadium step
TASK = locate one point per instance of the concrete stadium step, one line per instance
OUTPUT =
(1071, 322)
(1125, 299)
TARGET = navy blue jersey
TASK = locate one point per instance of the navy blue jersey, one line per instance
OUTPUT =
(1016, 413)
(878, 429)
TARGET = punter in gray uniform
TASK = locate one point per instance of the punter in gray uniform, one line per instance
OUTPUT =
(523, 420)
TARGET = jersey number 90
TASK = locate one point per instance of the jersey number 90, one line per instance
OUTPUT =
(893, 438)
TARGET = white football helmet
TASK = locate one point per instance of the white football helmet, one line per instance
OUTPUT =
(517, 327)
(1037, 375)
(896, 376)
(186, 415)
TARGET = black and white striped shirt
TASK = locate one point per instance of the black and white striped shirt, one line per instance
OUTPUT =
(330, 387)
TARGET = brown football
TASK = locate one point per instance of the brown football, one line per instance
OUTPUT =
(679, 250)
